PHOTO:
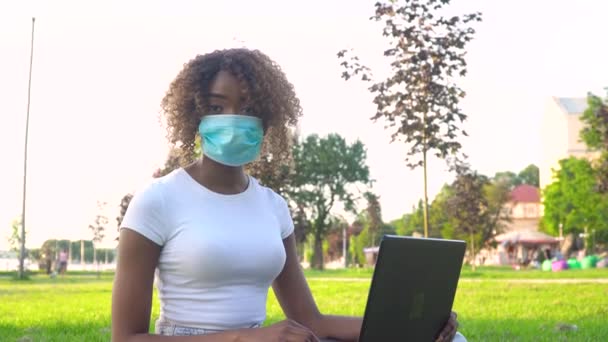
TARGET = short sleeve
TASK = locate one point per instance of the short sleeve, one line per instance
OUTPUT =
(145, 214)
(284, 218)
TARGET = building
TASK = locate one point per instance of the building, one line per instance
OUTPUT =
(560, 135)
(524, 208)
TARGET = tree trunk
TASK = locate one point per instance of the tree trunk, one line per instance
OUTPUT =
(300, 251)
(82, 261)
(317, 255)
(426, 197)
(473, 251)
(95, 259)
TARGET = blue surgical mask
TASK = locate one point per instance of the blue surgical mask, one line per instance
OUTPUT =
(231, 139)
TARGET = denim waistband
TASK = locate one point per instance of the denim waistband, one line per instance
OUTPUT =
(170, 329)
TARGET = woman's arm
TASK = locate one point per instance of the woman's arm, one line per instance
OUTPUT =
(293, 293)
(132, 294)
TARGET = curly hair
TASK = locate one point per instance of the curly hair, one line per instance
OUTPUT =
(263, 81)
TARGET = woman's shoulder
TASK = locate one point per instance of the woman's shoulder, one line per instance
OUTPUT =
(268, 193)
(159, 183)
(155, 189)
(147, 211)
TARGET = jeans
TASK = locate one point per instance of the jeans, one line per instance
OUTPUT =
(170, 329)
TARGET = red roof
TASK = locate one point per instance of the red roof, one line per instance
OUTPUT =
(525, 194)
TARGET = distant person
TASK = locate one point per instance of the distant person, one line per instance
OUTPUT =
(218, 238)
(63, 262)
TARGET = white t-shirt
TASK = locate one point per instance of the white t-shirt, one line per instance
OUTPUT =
(220, 253)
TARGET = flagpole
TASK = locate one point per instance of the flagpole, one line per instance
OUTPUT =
(27, 123)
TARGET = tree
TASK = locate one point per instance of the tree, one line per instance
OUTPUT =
(529, 175)
(497, 194)
(468, 206)
(301, 228)
(274, 171)
(399, 225)
(124, 205)
(14, 240)
(326, 171)
(439, 214)
(357, 244)
(413, 222)
(98, 228)
(374, 217)
(82, 255)
(572, 201)
(48, 252)
(509, 178)
(420, 98)
(174, 161)
(595, 136)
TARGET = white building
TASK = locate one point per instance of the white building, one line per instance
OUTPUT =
(560, 135)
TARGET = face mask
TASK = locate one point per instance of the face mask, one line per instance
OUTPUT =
(231, 139)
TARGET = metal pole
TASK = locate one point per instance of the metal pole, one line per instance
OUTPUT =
(344, 246)
(27, 124)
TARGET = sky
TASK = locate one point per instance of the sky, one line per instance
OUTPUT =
(101, 69)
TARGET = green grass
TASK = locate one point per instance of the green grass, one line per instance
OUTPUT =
(486, 272)
(77, 308)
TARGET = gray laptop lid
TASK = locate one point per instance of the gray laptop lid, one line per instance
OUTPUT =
(413, 289)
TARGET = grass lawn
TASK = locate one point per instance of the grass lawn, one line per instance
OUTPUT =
(77, 308)
(485, 272)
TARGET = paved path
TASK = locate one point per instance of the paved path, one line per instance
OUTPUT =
(473, 280)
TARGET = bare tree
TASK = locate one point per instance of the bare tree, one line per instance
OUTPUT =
(419, 99)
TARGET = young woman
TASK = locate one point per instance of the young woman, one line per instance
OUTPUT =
(218, 238)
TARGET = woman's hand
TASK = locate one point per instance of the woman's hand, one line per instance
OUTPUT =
(284, 331)
(449, 330)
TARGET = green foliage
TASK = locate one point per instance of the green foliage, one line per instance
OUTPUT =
(571, 200)
(595, 121)
(174, 161)
(88, 250)
(439, 213)
(326, 171)
(529, 175)
(413, 222)
(468, 207)
(399, 225)
(14, 240)
(385, 229)
(507, 177)
(497, 194)
(124, 205)
(357, 243)
(452, 202)
(595, 135)
(374, 217)
(274, 171)
(47, 254)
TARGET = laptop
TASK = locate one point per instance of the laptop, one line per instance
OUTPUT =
(413, 289)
